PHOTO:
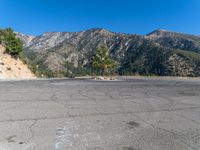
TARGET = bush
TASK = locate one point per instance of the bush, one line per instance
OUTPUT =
(12, 44)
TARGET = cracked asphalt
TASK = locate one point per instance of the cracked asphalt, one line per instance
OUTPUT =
(131, 114)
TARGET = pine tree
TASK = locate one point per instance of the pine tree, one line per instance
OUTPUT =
(101, 61)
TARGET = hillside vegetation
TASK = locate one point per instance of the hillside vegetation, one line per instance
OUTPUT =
(163, 53)
(11, 67)
(9, 40)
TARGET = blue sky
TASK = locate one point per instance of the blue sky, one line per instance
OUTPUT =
(128, 16)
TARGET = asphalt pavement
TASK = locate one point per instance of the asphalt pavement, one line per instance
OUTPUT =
(82, 114)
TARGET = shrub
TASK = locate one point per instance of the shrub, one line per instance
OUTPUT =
(12, 44)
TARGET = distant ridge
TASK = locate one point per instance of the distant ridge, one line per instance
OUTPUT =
(160, 52)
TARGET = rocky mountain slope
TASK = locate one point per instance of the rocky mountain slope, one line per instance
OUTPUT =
(175, 40)
(158, 53)
(12, 68)
(26, 39)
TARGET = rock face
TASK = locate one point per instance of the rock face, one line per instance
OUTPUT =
(11, 68)
(48, 40)
(158, 53)
(26, 39)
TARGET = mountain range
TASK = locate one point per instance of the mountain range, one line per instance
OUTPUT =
(161, 52)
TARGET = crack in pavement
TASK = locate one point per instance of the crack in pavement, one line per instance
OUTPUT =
(182, 140)
(31, 130)
(95, 114)
(93, 101)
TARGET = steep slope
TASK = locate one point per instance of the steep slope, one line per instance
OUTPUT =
(48, 40)
(175, 40)
(26, 39)
(150, 59)
(11, 68)
(158, 53)
(77, 49)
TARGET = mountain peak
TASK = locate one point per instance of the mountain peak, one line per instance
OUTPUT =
(161, 30)
(100, 30)
(158, 31)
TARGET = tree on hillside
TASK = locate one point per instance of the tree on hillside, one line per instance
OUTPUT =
(10, 41)
(101, 61)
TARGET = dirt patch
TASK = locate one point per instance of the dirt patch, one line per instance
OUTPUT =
(13, 68)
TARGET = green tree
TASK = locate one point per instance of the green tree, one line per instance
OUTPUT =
(12, 44)
(101, 61)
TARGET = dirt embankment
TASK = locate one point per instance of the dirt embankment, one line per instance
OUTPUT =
(12, 68)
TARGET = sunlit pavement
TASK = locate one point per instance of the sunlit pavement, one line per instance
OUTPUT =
(131, 114)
